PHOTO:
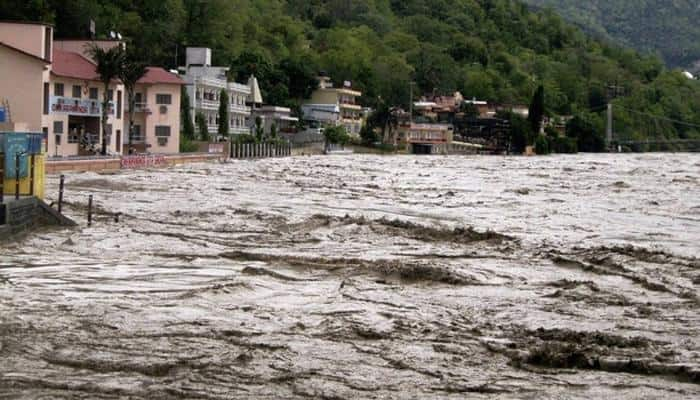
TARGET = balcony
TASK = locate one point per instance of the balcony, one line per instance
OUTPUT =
(350, 106)
(212, 82)
(239, 109)
(141, 107)
(207, 104)
(241, 130)
(137, 138)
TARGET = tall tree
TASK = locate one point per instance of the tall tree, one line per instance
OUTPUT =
(132, 71)
(202, 127)
(536, 112)
(186, 115)
(223, 114)
(110, 63)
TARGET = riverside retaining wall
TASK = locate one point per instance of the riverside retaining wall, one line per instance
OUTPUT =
(28, 213)
(107, 164)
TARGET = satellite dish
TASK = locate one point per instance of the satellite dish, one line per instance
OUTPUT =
(111, 34)
(119, 36)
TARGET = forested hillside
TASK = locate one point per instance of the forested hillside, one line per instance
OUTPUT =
(669, 28)
(495, 50)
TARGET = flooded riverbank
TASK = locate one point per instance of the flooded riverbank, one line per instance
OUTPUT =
(364, 277)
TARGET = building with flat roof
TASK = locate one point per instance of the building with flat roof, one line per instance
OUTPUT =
(336, 106)
(281, 117)
(204, 84)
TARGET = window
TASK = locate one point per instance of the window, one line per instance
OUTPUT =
(94, 94)
(58, 127)
(110, 95)
(119, 104)
(164, 99)
(138, 98)
(58, 89)
(76, 91)
(162, 131)
(47, 43)
(73, 133)
(46, 98)
(135, 135)
(58, 140)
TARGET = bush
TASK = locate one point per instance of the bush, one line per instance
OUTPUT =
(336, 135)
(369, 136)
(541, 145)
(243, 139)
(186, 145)
(587, 130)
(564, 145)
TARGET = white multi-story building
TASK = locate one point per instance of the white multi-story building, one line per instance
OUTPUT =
(335, 106)
(204, 84)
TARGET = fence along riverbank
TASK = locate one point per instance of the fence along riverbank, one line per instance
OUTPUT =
(260, 150)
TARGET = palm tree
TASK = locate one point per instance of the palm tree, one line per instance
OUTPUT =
(132, 71)
(110, 63)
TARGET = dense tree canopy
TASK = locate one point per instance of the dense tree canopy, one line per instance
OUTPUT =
(666, 27)
(495, 50)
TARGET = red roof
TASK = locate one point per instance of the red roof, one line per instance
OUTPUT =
(23, 52)
(156, 75)
(73, 65)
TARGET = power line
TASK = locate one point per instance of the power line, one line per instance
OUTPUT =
(659, 117)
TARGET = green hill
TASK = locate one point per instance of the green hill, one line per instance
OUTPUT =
(669, 28)
(497, 50)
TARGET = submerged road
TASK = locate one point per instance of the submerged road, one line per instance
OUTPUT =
(364, 277)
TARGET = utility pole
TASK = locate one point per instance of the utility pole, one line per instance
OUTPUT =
(410, 103)
(613, 92)
(609, 130)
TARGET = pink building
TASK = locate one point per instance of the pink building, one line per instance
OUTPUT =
(156, 113)
(75, 108)
(52, 86)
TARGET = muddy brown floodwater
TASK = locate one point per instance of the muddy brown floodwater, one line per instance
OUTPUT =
(364, 277)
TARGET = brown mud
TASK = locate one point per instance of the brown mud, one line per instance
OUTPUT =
(408, 277)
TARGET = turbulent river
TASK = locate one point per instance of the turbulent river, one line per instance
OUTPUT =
(363, 277)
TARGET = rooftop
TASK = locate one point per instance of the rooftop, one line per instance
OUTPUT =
(73, 65)
(24, 22)
(155, 75)
(7, 46)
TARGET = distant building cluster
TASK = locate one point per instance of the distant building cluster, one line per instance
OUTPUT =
(52, 86)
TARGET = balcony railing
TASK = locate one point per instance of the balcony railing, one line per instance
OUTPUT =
(207, 104)
(240, 109)
(141, 107)
(135, 139)
(218, 83)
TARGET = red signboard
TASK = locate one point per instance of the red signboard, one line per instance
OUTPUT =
(143, 161)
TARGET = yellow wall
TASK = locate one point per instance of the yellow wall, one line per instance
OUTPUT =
(24, 188)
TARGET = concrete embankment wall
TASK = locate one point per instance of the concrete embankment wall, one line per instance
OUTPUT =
(312, 149)
(28, 213)
(128, 162)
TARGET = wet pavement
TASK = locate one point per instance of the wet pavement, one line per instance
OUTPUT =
(354, 277)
